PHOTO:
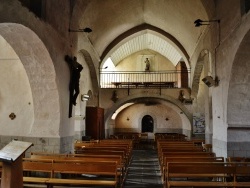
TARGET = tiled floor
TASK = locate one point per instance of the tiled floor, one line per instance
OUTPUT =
(144, 170)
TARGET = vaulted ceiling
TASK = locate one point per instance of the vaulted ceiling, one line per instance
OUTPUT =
(146, 41)
(114, 24)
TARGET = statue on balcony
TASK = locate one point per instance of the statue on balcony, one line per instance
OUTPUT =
(147, 68)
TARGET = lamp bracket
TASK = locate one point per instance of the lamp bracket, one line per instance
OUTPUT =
(85, 30)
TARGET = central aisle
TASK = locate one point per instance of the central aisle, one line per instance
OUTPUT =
(144, 170)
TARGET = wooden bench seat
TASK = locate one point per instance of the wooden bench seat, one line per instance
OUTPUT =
(97, 151)
(57, 181)
(186, 159)
(122, 168)
(127, 151)
(189, 149)
(102, 143)
(206, 174)
(181, 149)
(55, 169)
(186, 154)
(190, 159)
(199, 184)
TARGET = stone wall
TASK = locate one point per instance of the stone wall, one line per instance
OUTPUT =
(42, 144)
(238, 144)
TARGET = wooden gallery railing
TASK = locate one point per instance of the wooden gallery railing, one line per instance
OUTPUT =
(145, 79)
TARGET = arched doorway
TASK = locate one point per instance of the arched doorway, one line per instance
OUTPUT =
(147, 124)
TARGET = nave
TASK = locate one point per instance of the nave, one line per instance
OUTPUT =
(147, 164)
(144, 169)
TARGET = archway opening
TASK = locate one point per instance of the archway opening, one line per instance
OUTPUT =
(147, 124)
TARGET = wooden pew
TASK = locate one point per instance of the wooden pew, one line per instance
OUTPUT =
(107, 151)
(110, 142)
(207, 174)
(122, 168)
(170, 137)
(238, 159)
(186, 159)
(189, 153)
(162, 145)
(105, 143)
(33, 167)
(182, 146)
(127, 148)
(93, 152)
(55, 169)
(164, 142)
(181, 149)
(186, 154)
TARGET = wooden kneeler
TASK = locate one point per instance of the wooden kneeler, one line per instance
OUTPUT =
(12, 157)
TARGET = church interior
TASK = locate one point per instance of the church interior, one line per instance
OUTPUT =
(145, 76)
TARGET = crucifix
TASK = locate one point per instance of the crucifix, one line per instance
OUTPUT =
(74, 86)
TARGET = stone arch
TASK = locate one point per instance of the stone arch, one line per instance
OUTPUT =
(238, 108)
(92, 70)
(132, 98)
(204, 67)
(238, 102)
(197, 73)
(41, 76)
(140, 29)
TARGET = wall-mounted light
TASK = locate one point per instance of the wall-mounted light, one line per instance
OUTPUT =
(200, 22)
(103, 68)
(85, 30)
(85, 97)
(209, 81)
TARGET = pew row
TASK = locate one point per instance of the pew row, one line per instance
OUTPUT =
(121, 171)
(70, 173)
(207, 174)
(186, 159)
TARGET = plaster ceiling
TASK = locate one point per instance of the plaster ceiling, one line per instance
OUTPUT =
(146, 41)
(110, 19)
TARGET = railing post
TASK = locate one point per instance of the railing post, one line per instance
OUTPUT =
(128, 86)
(160, 81)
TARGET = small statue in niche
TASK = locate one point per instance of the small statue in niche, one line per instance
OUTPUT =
(114, 97)
(147, 68)
(182, 96)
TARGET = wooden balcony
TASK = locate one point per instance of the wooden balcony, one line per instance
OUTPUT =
(145, 79)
